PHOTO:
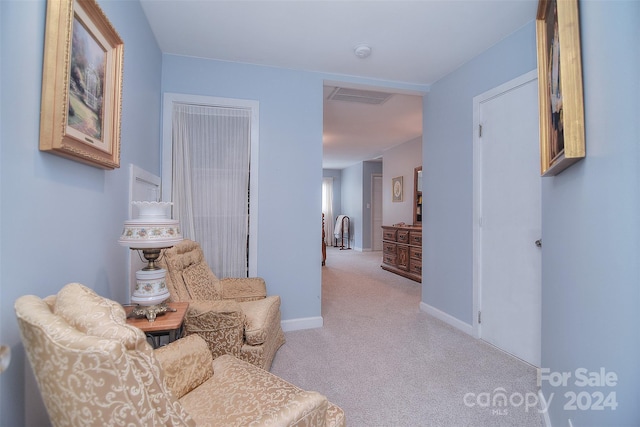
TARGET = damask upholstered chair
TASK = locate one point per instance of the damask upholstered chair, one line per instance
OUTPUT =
(233, 315)
(93, 369)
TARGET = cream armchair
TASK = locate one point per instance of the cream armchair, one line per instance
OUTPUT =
(93, 369)
(233, 315)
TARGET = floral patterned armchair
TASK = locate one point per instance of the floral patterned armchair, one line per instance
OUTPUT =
(233, 315)
(93, 369)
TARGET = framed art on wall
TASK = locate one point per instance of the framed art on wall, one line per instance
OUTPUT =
(396, 189)
(559, 85)
(81, 84)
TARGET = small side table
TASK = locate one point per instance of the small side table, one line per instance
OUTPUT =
(169, 323)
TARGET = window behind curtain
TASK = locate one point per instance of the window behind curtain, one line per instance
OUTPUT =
(210, 183)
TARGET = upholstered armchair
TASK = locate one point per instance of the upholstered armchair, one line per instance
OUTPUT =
(93, 369)
(233, 315)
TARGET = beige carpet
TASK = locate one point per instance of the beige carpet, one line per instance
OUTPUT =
(386, 363)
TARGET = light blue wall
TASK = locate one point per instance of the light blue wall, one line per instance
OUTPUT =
(448, 171)
(590, 257)
(61, 219)
(290, 167)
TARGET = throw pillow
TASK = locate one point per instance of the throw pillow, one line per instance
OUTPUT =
(200, 282)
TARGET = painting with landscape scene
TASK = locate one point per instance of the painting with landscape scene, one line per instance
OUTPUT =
(86, 83)
(81, 84)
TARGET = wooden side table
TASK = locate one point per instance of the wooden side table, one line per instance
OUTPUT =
(169, 323)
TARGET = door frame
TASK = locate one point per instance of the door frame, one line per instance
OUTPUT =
(477, 189)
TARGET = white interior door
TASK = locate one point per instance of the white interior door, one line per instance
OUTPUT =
(376, 213)
(508, 214)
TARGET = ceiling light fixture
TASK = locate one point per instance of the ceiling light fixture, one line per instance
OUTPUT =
(362, 51)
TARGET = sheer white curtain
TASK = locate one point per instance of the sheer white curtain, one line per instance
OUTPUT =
(327, 209)
(210, 183)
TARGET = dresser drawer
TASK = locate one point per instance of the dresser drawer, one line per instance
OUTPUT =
(389, 248)
(415, 253)
(388, 234)
(389, 259)
(403, 236)
(415, 266)
(415, 238)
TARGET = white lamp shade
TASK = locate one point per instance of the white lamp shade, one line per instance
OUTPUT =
(153, 229)
(142, 234)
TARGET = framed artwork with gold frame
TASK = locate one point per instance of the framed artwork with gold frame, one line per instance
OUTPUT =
(396, 189)
(81, 84)
(562, 141)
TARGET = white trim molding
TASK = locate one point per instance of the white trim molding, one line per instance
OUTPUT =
(302, 323)
(447, 318)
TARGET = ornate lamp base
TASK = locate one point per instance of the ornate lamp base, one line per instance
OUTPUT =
(150, 311)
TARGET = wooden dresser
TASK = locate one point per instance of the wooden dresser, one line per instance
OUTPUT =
(402, 250)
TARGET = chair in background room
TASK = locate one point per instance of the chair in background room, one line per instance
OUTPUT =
(233, 315)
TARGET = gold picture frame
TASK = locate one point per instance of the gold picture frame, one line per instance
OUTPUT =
(81, 84)
(396, 189)
(562, 141)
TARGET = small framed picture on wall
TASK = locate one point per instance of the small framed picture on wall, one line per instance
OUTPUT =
(396, 189)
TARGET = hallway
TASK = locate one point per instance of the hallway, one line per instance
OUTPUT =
(386, 363)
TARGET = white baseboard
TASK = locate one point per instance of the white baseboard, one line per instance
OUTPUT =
(302, 323)
(447, 318)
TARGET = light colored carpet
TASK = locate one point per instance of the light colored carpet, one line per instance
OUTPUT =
(386, 363)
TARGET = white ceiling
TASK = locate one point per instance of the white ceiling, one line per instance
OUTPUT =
(413, 42)
(355, 132)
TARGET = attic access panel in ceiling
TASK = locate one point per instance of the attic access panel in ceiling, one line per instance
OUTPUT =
(361, 96)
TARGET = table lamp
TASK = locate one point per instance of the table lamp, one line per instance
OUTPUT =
(151, 232)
